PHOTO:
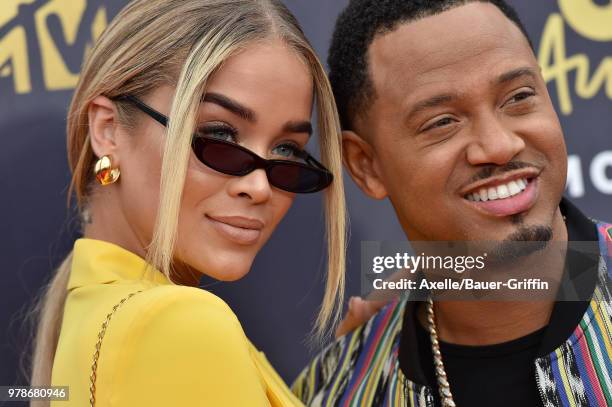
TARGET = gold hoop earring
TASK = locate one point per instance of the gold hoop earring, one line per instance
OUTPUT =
(105, 173)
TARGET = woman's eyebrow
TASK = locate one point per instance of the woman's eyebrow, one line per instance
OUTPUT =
(231, 105)
(298, 127)
(249, 115)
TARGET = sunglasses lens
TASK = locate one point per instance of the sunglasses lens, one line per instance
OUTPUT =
(223, 157)
(230, 159)
(297, 178)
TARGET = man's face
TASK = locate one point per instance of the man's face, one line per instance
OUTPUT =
(462, 110)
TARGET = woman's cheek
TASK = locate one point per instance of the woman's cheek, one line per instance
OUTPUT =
(281, 202)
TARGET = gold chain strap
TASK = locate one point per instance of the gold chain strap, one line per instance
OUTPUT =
(94, 366)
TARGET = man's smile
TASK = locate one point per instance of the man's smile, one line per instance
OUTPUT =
(505, 199)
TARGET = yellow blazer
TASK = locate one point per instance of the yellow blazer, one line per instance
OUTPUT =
(169, 345)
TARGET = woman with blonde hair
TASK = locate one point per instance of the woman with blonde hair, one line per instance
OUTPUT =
(186, 138)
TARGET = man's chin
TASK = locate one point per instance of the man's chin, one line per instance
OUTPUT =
(524, 241)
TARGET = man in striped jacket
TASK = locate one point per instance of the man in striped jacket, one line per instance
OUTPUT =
(445, 112)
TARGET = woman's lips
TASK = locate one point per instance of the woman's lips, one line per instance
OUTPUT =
(239, 230)
(518, 203)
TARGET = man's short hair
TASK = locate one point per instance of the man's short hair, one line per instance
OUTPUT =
(355, 30)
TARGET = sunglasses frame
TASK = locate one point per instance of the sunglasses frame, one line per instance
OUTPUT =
(259, 162)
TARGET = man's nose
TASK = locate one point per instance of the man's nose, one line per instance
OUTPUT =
(493, 142)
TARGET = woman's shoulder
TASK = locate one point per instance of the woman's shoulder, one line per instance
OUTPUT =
(173, 308)
(177, 340)
(177, 295)
(175, 329)
(164, 317)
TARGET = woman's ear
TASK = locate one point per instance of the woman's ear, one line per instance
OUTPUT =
(102, 120)
(360, 161)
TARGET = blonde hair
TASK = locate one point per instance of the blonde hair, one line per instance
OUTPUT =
(155, 42)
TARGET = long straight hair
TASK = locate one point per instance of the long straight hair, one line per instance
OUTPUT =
(178, 42)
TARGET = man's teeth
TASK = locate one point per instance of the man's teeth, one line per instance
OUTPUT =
(499, 192)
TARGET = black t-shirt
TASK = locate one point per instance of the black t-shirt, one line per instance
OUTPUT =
(504, 374)
(500, 375)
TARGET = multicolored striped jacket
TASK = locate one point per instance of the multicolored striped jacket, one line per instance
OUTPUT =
(363, 368)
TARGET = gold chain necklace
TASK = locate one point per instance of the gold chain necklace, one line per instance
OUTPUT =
(446, 397)
(94, 366)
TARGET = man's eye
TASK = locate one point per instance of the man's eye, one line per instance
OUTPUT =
(219, 132)
(445, 121)
(521, 96)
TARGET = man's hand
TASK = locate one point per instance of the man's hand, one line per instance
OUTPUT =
(359, 312)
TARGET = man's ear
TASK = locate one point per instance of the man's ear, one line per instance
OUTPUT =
(102, 120)
(360, 161)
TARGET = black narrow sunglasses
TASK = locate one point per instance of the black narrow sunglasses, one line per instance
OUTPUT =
(232, 159)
